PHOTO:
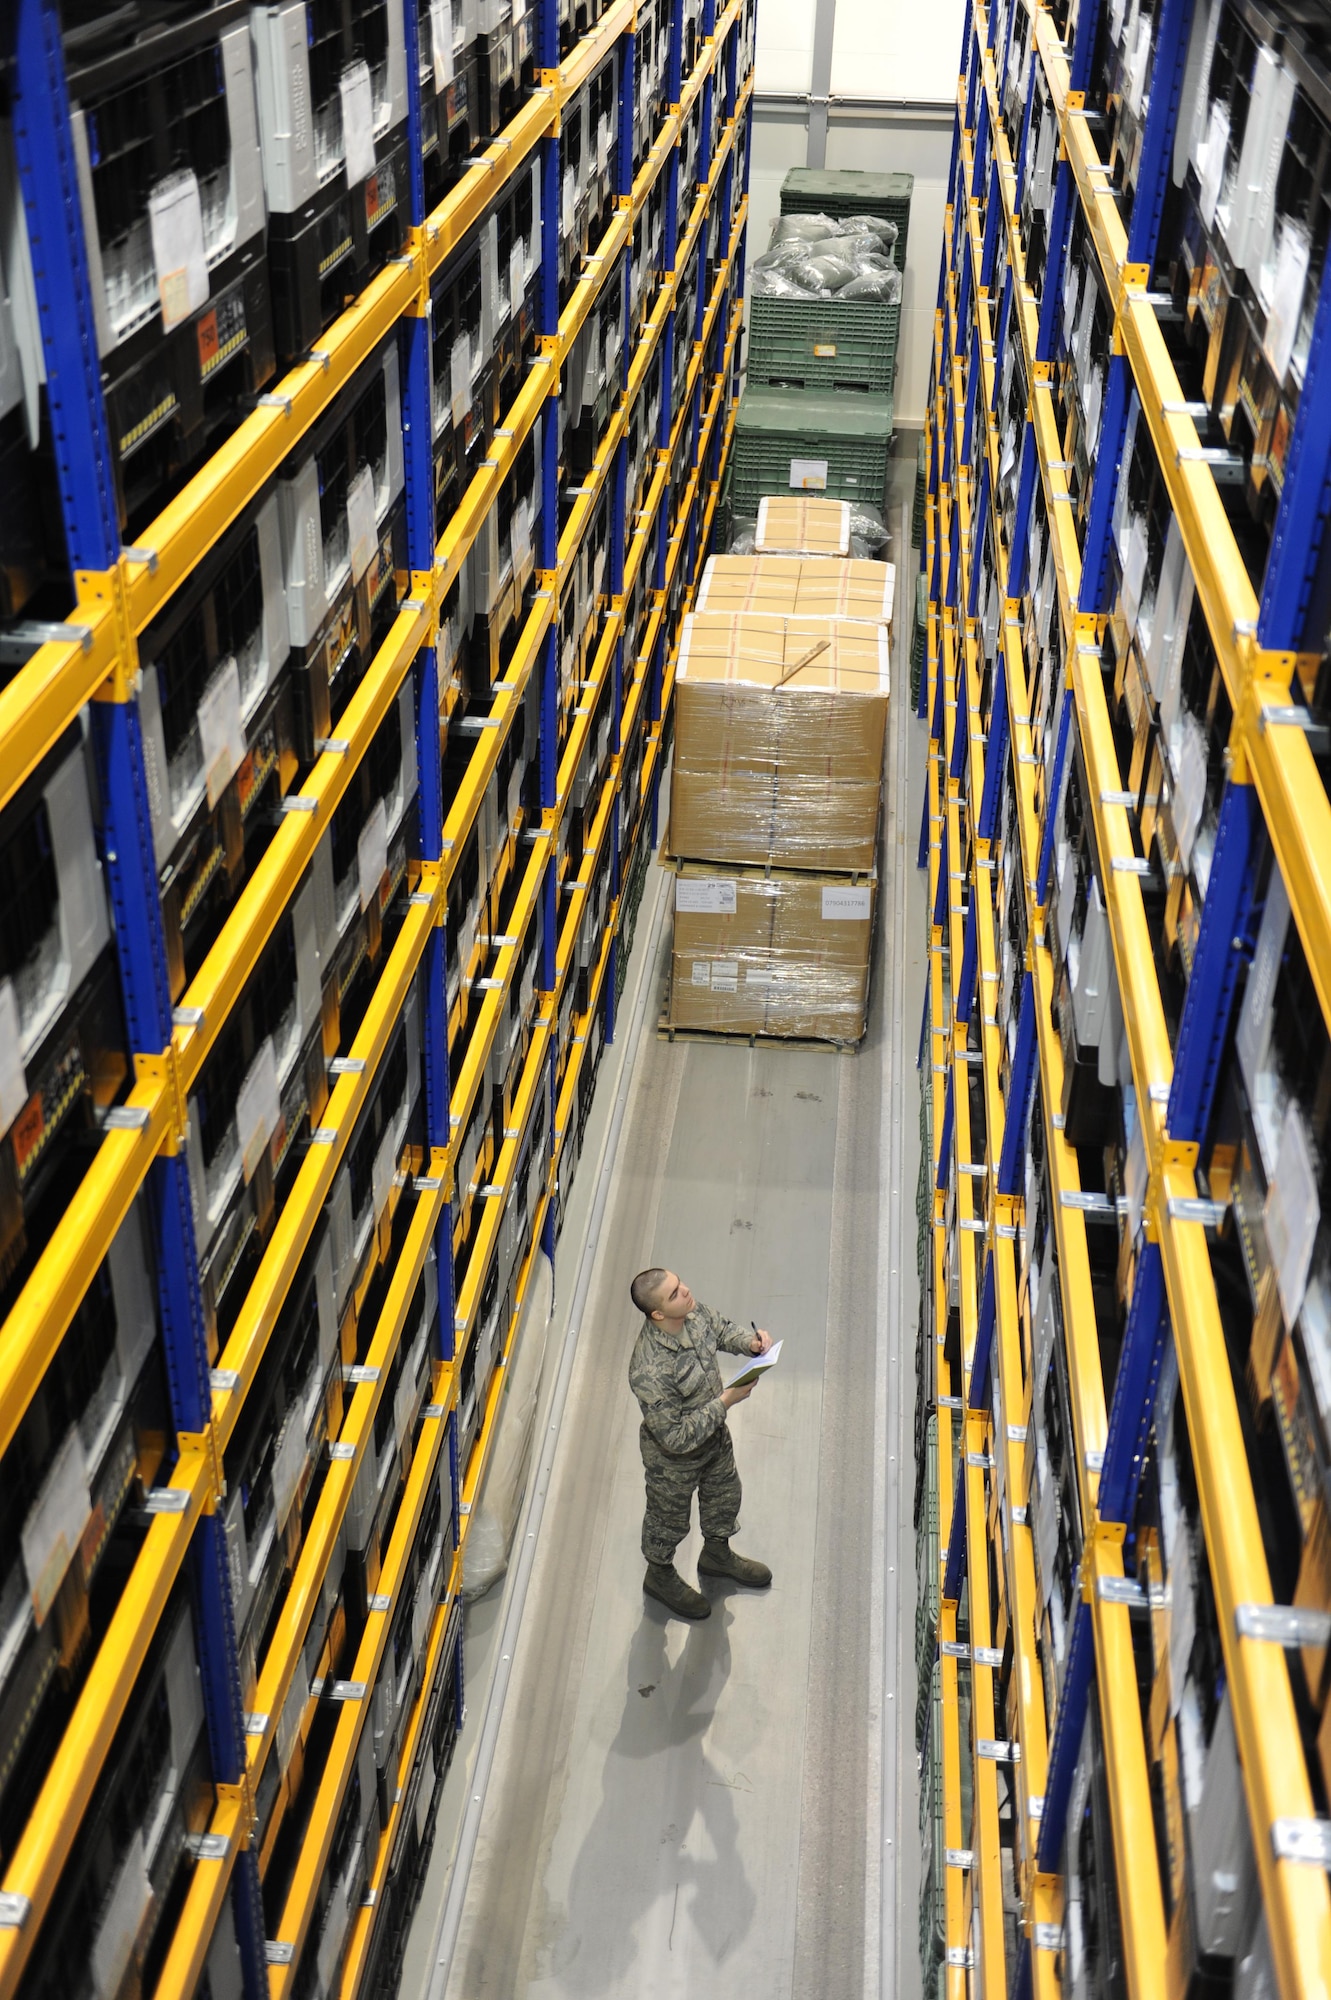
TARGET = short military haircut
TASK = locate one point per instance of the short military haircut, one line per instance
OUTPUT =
(645, 1291)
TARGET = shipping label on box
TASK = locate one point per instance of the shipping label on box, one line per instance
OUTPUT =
(791, 957)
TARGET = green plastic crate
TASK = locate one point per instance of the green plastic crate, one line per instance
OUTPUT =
(828, 344)
(723, 519)
(840, 191)
(926, 1581)
(780, 430)
(920, 638)
(921, 488)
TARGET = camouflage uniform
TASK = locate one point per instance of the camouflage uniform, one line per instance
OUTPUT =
(685, 1441)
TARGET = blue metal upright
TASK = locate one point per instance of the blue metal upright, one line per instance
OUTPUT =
(49, 184)
(1292, 614)
(547, 62)
(418, 465)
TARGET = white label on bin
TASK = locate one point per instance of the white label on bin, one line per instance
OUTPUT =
(221, 730)
(516, 282)
(441, 42)
(1134, 570)
(566, 203)
(705, 899)
(372, 856)
(258, 1108)
(288, 1722)
(1292, 1213)
(808, 475)
(425, 1795)
(55, 1523)
(1189, 786)
(825, 350)
(13, 1078)
(459, 377)
(1212, 163)
(330, 1944)
(702, 972)
(725, 975)
(384, 1172)
(362, 535)
(288, 1466)
(1282, 321)
(357, 122)
(119, 1928)
(850, 904)
(520, 534)
(180, 263)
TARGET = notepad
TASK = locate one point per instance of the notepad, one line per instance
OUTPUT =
(758, 1366)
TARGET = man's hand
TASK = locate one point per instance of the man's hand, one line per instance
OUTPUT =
(761, 1341)
(736, 1393)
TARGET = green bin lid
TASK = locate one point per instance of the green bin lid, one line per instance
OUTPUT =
(831, 182)
(785, 410)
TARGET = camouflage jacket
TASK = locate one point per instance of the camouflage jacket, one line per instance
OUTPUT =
(676, 1379)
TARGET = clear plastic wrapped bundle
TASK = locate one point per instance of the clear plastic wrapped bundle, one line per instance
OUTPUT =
(825, 259)
(779, 730)
(762, 953)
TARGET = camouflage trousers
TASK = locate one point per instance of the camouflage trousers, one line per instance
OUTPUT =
(672, 1480)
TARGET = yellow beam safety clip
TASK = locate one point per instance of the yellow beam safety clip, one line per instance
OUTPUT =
(164, 1071)
(414, 253)
(109, 587)
(1131, 278)
(241, 1796)
(203, 1445)
(421, 588)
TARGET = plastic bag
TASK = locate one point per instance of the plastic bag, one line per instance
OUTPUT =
(876, 225)
(744, 536)
(808, 228)
(867, 284)
(823, 274)
(773, 284)
(866, 524)
(494, 1516)
(780, 257)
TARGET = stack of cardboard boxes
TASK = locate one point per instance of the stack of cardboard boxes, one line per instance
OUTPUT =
(780, 720)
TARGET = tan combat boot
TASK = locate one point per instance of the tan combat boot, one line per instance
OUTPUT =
(664, 1582)
(719, 1559)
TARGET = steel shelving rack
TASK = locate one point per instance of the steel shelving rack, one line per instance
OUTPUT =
(991, 810)
(93, 659)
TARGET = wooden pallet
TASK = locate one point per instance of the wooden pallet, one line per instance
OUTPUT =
(738, 1038)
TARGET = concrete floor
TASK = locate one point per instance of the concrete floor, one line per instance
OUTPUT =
(646, 1808)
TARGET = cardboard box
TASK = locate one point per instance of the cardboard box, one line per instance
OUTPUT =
(784, 953)
(779, 733)
(805, 586)
(791, 525)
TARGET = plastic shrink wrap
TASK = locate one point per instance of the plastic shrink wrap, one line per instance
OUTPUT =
(779, 733)
(782, 953)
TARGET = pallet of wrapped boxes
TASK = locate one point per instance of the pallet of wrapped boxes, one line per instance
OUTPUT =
(780, 725)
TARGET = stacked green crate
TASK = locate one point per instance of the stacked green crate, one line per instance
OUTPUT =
(825, 344)
(788, 441)
(920, 637)
(921, 487)
(723, 520)
(926, 1581)
(839, 192)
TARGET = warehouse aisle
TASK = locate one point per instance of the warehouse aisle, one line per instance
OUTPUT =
(677, 1810)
